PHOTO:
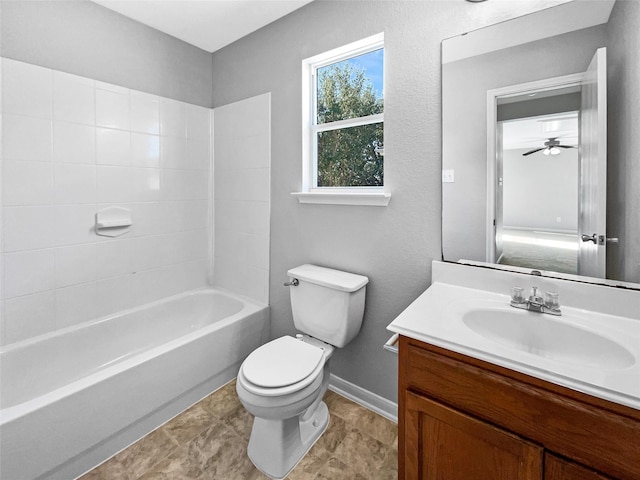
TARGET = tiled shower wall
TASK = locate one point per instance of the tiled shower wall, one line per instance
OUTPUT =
(72, 146)
(242, 152)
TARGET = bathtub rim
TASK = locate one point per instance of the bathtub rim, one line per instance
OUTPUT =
(14, 412)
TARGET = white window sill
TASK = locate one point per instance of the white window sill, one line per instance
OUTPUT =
(374, 199)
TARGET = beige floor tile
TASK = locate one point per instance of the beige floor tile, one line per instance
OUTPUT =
(209, 442)
(146, 453)
(362, 453)
(240, 421)
(189, 424)
(177, 466)
(223, 401)
(111, 469)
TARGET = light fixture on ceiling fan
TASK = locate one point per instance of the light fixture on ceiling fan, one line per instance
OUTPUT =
(551, 147)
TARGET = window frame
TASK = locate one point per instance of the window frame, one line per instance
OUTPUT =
(311, 193)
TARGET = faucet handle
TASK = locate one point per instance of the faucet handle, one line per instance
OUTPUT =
(517, 295)
(551, 301)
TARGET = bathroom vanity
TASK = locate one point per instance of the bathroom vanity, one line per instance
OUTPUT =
(475, 405)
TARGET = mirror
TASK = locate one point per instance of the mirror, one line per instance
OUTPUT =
(540, 143)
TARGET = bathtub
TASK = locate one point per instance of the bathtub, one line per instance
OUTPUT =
(71, 399)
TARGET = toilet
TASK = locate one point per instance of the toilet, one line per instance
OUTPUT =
(282, 382)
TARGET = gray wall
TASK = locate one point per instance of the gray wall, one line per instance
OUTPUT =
(623, 195)
(393, 246)
(538, 189)
(86, 39)
(465, 147)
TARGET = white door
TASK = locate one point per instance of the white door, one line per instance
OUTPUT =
(592, 207)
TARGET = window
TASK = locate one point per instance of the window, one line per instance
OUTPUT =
(343, 119)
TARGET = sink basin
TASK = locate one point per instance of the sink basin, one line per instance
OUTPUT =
(547, 337)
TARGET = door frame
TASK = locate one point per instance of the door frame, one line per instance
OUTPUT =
(574, 79)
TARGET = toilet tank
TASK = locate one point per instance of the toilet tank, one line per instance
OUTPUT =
(327, 304)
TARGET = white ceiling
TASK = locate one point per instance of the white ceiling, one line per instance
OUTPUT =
(534, 131)
(207, 24)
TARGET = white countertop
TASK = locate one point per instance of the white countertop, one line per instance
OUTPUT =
(435, 318)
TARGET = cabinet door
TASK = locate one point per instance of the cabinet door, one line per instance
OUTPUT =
(445, 444)
(556, 468)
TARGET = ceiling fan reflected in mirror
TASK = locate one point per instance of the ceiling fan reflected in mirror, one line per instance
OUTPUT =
(551, 147)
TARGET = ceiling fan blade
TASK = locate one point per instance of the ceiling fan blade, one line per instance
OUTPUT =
(533, 151)
(566, 146)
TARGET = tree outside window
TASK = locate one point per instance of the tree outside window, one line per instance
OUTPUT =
(348, 122)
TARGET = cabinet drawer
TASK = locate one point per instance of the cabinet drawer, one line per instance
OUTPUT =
(595, 437)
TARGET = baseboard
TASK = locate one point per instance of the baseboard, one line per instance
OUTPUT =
(367, 399)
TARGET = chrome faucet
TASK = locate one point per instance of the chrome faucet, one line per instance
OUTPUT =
(535, 303)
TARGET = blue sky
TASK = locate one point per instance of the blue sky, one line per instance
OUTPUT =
(372, 63)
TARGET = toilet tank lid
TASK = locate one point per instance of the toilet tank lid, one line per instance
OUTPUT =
(328, 277)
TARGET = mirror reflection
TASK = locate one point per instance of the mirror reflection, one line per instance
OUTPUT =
(538, 154)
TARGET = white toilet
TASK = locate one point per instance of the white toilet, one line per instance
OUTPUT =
(282, 382)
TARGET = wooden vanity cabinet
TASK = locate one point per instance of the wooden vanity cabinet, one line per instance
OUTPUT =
(465, 419)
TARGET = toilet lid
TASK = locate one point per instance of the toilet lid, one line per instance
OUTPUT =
(281, 362)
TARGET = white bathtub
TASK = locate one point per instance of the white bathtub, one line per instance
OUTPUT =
(73, 398)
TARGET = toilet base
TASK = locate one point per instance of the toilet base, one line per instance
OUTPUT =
(276, 446)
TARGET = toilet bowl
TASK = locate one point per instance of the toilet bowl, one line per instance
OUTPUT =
(282, 383)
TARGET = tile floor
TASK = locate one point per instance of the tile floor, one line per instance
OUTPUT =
(209, 441)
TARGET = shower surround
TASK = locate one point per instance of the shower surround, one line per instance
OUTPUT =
(71, 147)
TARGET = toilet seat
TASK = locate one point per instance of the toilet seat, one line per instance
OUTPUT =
(282, 366)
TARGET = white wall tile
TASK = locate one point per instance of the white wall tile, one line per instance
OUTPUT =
(60, 168)
(257, 220)
(242, 196)
(75, 304)
(144, 113)
(114, 184)
(28, 228)
(255, 185)
(26, 89)
(26, 138)
(110, 87)
(113, 295)
(145, 150)
(257, 284)
(153, 218)
(113, 258)
(74, 224)
(28, 272)
(258, 250)
(75, 183)
(254, 151)
(28, 316)
(27, 183)
(173, 119)
(112, 109)
(150, 285)
(192, 214)
(73, 98)
(173, 152)
(227, 183)
(113, 147)
(145, 184)
(75, 264)
(74, 143)
(197, 155)
(146, 252)
(198, 122)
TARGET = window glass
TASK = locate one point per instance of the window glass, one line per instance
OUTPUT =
(351, 88)
(351, 157)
